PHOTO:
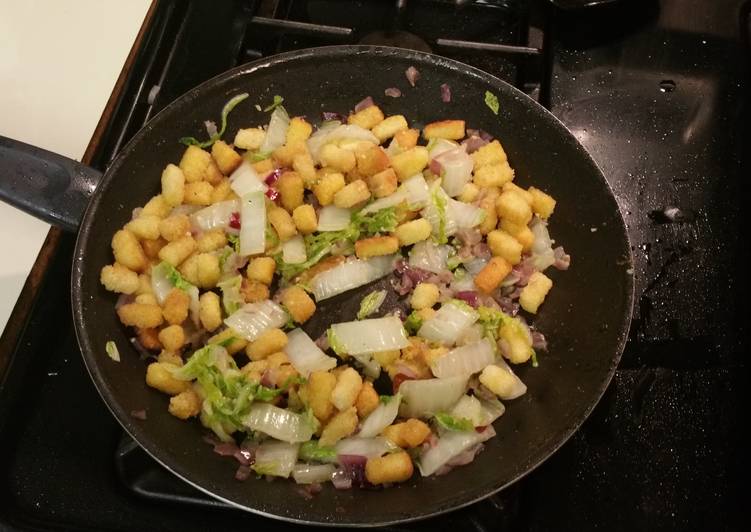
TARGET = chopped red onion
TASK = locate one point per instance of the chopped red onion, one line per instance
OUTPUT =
(124, 299)
(328, 115)
(473, 143)
(323, 341)
(508, 305)
(268, 378)
(539, 341)
(404, 374)
(393, 92)
(354, 467)
(524, 271)
(481, 251)
(468, 296)
(138, 414)
(234, 220)
(242, 473)
(445, 93)
(435, 166)
(364, 104)
(484, 135)
(244, 456)
(562, 259)
(226, 448)
(412, 75)
(272, 193)
(273, 176)
(340, 480)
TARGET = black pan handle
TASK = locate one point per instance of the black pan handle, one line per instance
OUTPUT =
(46, 185)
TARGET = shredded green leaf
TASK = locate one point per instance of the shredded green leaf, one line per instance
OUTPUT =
(535, 363)
(462, 305)
(227, 392)
(235, 241)
(413, 323)
(454, 261)
(371, 303)
(226, 110)
(334, 342)
(319, 245)
(232, 298)
(382, 221)
(227, 341)
(258, 156)
(174, 276)
(490, 319)
(112, 351)
(277, 102)
(226, 253)
(386, 399)
(272, 238)
(440, 204)
(266, 468)
(449, 422)
(311, 419)
(491, 100)
(313, 451)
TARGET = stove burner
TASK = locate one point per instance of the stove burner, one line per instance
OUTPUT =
(399, 39)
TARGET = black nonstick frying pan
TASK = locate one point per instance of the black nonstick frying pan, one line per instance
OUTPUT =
(585, 318)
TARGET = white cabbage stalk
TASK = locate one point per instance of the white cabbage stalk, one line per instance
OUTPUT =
(215, 216)
(276, 458)
(293, 250)
(450, 444)
(276, 133)
(333, 218)
(341, 132)
(465, 360)
(416, 191)
(438, 212)
(349, 275)
(456, 170)
(160, 283)
(245, 179)
(517, 387)
(429, 256)
(195, 305)
(380, 418)
(448, 324)
(491, 410)
(441, 146)
(309, 474)
(253, 224)
(542, 246)
(469, 407)
(305, 355)
(279, 423)
(254, 318)
(475, 265)
(465, 215)
(425, 397)
(368, 336)
(471, 335)
(413, 191)
(369, 447)
(463, 281)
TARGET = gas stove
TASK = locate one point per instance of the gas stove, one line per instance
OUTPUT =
(655, 90)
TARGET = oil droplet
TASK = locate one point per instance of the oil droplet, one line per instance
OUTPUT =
(667, 85)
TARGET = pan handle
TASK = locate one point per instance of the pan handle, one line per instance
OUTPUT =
(46, 185)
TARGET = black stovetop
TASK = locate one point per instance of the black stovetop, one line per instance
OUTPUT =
(656, 91)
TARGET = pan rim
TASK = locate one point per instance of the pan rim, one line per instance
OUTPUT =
(133, 430)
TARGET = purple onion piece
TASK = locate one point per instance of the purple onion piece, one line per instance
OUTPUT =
(468, 296)
(341, 480)
(329, 115)
(273, 176)
(323, 341)
(244, 457)
(412, 75)
(445, 93)
(392, 92)
(469, 236)
(242, 473)
(481, 250)
(435, 166)
(364, 104)
(226, 448)
(562, 259)
(138, 414)
(473, 143)
(539, 341)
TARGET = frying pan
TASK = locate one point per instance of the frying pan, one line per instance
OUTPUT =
(585, 318)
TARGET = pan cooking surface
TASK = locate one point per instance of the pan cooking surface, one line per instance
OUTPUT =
(585, 317)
